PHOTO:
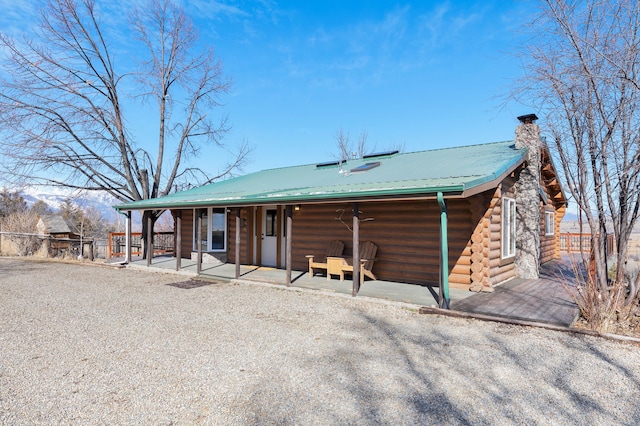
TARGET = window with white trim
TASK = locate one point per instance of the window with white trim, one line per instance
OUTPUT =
(549, 223)
(508, 227)
(214, 229)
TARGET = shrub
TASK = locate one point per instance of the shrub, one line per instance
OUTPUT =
(23, 228)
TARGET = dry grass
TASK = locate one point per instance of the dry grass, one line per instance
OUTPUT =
(600, 311)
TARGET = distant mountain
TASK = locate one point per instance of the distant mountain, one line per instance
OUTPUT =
(55, 197)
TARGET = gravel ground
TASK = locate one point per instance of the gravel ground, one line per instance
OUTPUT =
(92, 345)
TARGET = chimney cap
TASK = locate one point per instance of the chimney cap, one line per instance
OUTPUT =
(528, 118)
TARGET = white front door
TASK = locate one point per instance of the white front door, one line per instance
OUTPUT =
(270, 235)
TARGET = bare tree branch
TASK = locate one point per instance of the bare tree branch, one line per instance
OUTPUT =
(62, 110)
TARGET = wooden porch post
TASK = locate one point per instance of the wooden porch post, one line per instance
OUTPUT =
(289, 214)
(238, 221)
(127, 244)
(149, 243)
(279, 229)
(199, 243)
(178, 239)
(259, 235)
(356, 251)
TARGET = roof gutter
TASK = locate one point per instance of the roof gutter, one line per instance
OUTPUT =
(413, 193)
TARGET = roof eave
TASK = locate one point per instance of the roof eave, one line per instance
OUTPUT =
(492, 183)
(451, 191)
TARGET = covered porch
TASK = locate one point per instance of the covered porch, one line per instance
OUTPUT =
(417, 250)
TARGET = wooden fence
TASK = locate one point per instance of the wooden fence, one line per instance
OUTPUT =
(576, 243)
(163, 243)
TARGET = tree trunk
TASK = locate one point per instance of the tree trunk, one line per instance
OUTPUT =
(153, 214)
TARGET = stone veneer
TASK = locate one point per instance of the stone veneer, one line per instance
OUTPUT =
(527, 190)
(216, 258)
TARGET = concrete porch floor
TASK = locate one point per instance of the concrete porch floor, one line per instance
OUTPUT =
(387, 290)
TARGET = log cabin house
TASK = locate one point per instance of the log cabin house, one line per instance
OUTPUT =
(470, 216)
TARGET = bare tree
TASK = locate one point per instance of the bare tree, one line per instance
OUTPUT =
(66, 97)
(347, 149)
(582, 70)
(362, 144)
(343, 143)
(11, 202)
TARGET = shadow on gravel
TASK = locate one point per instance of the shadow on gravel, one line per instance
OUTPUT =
(414, 383)
(438, 376)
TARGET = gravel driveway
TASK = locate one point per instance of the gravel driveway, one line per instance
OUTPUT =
(92, 345)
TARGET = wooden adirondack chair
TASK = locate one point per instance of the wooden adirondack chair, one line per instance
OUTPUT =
(368, 252)
(335, 249)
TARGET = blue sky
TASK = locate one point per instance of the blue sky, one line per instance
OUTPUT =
(420, 74)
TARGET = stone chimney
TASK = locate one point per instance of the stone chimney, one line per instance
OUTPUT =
(527, 190)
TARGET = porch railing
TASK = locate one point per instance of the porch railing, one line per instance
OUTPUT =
(576, 243)
(163, 243)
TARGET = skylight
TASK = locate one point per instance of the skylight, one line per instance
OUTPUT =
(365, 167)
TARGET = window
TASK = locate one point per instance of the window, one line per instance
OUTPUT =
(549, 223)
(214, 229)
(508, 227)
(205, 227)
(218, 229)
(272, 223)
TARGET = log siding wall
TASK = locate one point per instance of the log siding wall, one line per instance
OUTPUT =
(406, 233)
(550, 244)
(547, 243)
(485, 245)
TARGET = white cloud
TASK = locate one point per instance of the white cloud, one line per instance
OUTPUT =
(17, 16)
(215, 9)
(445, 24)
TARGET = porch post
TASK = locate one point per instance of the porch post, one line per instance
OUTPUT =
(356, 251)
(289, 215)
(444, 255)
(199, 242)
(238, 221)
(127, 243)
(178, 240)
(149, 241)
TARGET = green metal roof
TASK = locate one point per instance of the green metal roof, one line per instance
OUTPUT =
(452, 171)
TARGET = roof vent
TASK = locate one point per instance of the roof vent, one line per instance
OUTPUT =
(381, 154)
(327, 164)
(365, 167)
